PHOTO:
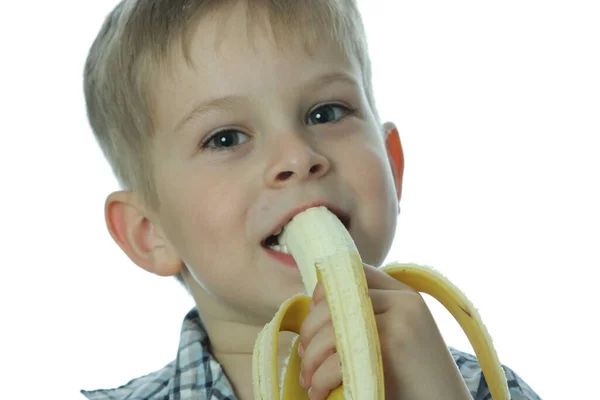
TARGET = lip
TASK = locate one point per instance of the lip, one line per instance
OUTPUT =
(284, 258)
(342, 215)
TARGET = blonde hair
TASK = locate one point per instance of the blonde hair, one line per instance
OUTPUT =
(139, 37)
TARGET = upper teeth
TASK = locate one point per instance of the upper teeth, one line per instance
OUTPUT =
(280, 248)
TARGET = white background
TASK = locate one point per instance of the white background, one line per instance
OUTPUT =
(498, 105)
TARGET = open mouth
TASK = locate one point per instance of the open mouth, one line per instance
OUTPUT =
(272, 241)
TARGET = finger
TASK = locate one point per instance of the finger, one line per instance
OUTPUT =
(318, 294)
(383, 300)
(316, 318)
(326, 378)
(321, 346)
(377, 279)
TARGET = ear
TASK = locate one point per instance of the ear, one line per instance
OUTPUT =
(395, 155)
(129, 222)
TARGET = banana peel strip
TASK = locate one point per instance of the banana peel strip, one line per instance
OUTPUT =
(427, 280)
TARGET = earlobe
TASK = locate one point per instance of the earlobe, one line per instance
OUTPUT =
(395, 155)
(130, 226)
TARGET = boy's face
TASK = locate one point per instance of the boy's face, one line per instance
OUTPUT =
(272, 131)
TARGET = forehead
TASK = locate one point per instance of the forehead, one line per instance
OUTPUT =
(308, 24)
(228, 53)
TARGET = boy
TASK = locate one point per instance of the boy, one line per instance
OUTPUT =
(221, 120)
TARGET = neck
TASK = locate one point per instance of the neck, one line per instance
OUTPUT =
(232, 344)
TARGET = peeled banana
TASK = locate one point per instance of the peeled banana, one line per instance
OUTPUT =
(325, 252)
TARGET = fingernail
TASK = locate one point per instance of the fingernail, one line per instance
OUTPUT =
(300, 350)
(302, 381)
(310, 391)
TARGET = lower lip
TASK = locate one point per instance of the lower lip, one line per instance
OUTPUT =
(284, 258)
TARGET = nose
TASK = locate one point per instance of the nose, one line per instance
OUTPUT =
(293, 161)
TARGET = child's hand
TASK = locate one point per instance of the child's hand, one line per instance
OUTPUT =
(416, 361)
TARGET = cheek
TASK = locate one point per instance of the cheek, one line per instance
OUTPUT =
(371, 175)
(204, 219)
(374, 188)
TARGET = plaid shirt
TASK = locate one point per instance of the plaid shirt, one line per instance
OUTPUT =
(196, 375)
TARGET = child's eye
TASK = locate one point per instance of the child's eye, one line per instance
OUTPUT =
(328, 113)
(225, 139)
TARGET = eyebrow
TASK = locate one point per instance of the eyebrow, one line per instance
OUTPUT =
(334, 77)
(228, 101)
(207, 107)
